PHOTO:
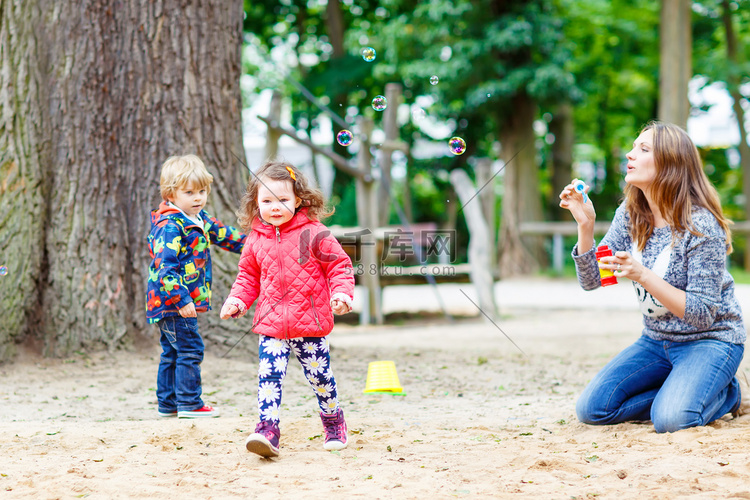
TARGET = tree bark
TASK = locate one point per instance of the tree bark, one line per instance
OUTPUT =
(521, 191)
(676, 61)
(95, 96)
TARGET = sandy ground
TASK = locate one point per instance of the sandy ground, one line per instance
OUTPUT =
(479, 419)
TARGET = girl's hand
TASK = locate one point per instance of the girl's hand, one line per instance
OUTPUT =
(623, 265)
(572, 200)
(229, 311)
(188, 311)
(339, 307)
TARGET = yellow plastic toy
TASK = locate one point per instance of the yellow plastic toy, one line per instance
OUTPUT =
(382, 378)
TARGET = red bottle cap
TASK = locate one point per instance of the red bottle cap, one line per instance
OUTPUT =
(606, 276)
(603, 251)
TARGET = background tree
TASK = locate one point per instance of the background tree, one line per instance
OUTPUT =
(721, 55)
(676, 60)
(307, 43)
(94, 97)
(496, 63)
(615, 59)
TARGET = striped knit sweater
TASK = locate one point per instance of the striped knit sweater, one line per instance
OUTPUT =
(695, 264)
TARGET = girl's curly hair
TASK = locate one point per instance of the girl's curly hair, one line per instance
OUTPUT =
(311, 197)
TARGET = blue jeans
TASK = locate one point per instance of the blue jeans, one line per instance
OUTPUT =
(676, 385)
(178, 383)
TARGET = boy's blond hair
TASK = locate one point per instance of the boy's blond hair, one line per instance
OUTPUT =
(180, 171)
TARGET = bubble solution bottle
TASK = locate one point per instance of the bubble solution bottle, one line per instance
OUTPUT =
(607, 276)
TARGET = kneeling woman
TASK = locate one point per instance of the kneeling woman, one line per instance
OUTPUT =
(671, 239)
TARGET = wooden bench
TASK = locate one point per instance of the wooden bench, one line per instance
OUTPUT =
(412, 242)
(558, 230)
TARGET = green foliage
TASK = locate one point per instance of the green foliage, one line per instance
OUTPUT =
(346, 208)
(601, 55)
(615, 59)
(709, 40)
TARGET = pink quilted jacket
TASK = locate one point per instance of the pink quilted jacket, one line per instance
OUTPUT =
(293, 271)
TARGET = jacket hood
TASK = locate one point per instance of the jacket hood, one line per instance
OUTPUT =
(299, 219)
(163, 212)
(166, 211)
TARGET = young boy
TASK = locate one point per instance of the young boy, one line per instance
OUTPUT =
(179, 281)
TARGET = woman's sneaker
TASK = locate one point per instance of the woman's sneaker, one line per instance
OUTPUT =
(205, 412)
(334, 427)
(265, 440)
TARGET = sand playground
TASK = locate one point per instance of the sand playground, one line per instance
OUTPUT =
(479, 418)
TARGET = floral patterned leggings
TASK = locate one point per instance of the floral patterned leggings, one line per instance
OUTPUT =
(315, 357)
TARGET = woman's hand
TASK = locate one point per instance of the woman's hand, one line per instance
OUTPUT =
(572, 200)
(623, 265)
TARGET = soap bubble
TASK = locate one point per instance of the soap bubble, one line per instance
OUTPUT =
(3, 270)
(344, 137)
(434, 80)
(379, 103)
(368, 54)
(457, 145)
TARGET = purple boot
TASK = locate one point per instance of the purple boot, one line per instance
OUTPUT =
(334, 427)
(265, 440)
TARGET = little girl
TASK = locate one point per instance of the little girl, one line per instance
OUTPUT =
(301, 277)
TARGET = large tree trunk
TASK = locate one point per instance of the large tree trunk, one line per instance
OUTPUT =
(95, 96)
(521, 191)
(676, 61)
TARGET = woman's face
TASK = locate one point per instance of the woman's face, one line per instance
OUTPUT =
(641, 167)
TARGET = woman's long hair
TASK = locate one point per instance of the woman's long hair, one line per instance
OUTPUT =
(311, 197)
(679, 187)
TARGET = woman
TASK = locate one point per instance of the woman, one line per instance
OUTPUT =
(671, 239)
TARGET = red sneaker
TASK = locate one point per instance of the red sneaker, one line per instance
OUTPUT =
(205, 412)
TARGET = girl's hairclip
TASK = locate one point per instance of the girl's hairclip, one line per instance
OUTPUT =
(291, 173)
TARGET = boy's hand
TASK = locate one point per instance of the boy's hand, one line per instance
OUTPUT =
(339, 307)
(229, 311)
(188, 311)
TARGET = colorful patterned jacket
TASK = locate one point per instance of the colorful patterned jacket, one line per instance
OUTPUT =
(180, 269)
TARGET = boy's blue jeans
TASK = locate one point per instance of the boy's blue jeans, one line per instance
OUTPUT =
(676, 385)
(178, 383)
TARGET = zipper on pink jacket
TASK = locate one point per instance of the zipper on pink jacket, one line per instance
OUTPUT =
(283, 283)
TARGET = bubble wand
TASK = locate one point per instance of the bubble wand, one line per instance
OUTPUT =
(580, 187)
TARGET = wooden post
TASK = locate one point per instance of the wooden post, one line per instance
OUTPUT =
(557, 253)
(367, 217)
(390, 126)
(479, 238)
(274, 117)
(487, 200)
